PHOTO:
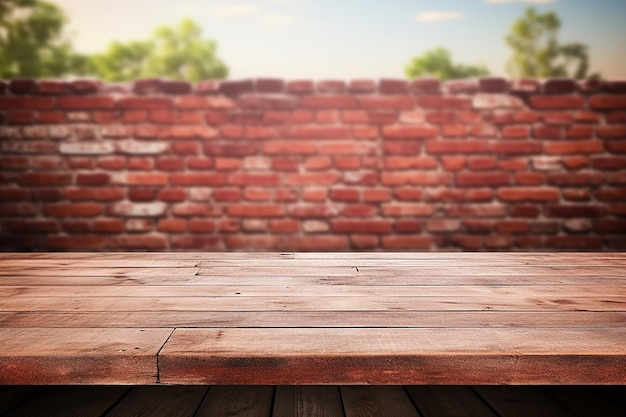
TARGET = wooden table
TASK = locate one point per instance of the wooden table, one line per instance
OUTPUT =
(313, 318)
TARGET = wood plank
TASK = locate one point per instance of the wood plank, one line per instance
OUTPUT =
(117, 272)
(448, 401)
(328, 303)
(85, 401)
(143, 291)
(304, 401)
(237, 401)
(31, 356)
(395, 356)
(159, 401)
(447, 269)
(521, 402)
(313, 319)
(408, 279)
(365, 401)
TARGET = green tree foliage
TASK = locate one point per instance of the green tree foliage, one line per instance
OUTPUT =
(31, 40)
(537, 52)
(178, 53)
(438, 62)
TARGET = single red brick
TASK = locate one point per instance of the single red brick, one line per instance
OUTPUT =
(479, 179)
(456, 146)
(405, 242)
(228, 164)
(108, 226)
(408, 194)
(200, 226)
(311, 210)
(515, 132)
(145, 178)
(321, 132)
(515, 194)
(248, 179)
(444, 102)
(170, 164)
(13, 163)
(256, 210)
(269, 85)
(172, 225)
(26, 103)
(147, 86)
(393, 86)
(387, 102)
(408, 226)
(363, 241)
(557, 102)
(317, 243)
(359, 210)
(284, 226)
(445, 194)
(574, 242)
(407, 209)
(482, 163)
(609, 163)
(73, 210)
(232, 149)
(175, 87)
(108, 194)
(135, 116)
(611, 194)
(415, 178)
(227, 194)
(453, 163)
(20, 117)
(300, 87)
(135, 242)
(145, 103)
(402, 147)
(172, 194)
(236, 87)
(195, 210)
(575, 162)
(493, 85)
(361, 226)
(517, 147)
(197, 179)
(325, 178)
(578, 131)
(568, 211)
(575, 179)
(17, 209)
(425, 85)
(285, 164)
(574, 147)
(43, 179)
(524, 210)
(560, 86)
(612, 132)
(32, 226)
(409, 132)
(329, 102)
(607, 102)
(113, 163)
(479, 194)
(344, 194)
(529, 178)
(97, 178)
(289, 147)
(361, 86)
(85, 102)
(163, 116)
(410, 162)
(142, 194)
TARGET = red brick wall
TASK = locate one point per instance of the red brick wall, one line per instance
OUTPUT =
(264, 164)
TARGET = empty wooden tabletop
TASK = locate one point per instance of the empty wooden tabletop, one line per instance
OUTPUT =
(313, 318)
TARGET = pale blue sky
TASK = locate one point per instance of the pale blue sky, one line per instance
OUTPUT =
(351, 38)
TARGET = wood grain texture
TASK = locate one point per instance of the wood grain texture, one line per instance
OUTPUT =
(159, 401)
(237, 401)
(364, 401)
(307, 401)
(306, 318)
(80, 355)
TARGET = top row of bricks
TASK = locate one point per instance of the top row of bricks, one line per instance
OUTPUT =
(296, 87)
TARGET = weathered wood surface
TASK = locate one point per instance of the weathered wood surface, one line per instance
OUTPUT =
(307, 318)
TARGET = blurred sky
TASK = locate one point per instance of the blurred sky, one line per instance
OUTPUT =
(351, 38)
